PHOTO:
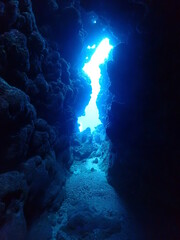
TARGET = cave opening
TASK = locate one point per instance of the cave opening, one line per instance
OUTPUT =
(93, 70)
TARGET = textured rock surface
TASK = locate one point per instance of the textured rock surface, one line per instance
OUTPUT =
(13, 193)
(40, 96)
(17, 116)
(142, 121)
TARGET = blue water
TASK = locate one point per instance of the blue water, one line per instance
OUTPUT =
(92, 69)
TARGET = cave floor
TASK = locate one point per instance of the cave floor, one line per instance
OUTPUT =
(91, 208)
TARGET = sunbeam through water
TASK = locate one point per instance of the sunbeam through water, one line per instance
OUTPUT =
(92, 69)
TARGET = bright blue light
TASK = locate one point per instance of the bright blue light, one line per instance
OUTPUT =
(91, 47)
(92, 69)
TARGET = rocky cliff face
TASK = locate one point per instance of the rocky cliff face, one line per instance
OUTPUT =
(40, 99)
(143, 120)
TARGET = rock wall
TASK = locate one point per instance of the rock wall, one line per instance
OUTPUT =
(41, 95)
(143, 120)
(143, 117)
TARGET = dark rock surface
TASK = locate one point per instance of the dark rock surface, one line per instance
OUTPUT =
(41, 96)
(13, 193)
(143, 120)
(17, 116)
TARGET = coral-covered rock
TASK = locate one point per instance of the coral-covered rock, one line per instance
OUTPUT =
(17, 115)
(13, 192)
(8, 14)
(61, 22)
(51, 65)
(42, 139)
(15, 105)
(36, 42)
(45, 178)
(26, 23)
(14, 44)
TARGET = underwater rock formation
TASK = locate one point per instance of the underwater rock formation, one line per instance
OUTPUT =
(17, 116)
(40, 96)
(142, 121)
(13, 193)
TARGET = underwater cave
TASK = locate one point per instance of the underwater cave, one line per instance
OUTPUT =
(89, 109)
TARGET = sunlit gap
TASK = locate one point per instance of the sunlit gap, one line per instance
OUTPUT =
(92, 69)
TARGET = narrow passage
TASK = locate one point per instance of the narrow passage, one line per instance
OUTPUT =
(92, 209)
